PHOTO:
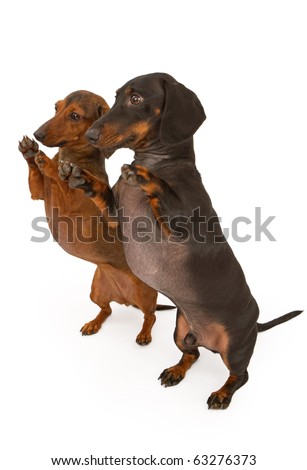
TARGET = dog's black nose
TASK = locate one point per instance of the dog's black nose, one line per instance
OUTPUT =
(39, 135)
(92, 135)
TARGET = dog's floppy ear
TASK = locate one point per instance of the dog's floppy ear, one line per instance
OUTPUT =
(102, 108)
(100, 111)
(183, 113)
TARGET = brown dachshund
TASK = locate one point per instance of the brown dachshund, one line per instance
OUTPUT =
(189, 260)
(74, 220)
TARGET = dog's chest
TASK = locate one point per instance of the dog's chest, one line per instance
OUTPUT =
(149, 254)
(141, 236)
(74, 222)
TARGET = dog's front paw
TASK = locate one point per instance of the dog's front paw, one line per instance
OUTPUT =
(77, 178)
(136, 175)
(64, 169)
(28, 148)
(129, 174)
(41, 160)
(46, 165)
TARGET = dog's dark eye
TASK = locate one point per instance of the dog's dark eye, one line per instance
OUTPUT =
(56, 107)
(135, 99)
(75, 116)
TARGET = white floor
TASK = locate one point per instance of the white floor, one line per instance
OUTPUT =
(65, 395)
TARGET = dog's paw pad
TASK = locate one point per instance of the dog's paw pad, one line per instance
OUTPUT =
(28, 147)
(79, 179)
(65, 170)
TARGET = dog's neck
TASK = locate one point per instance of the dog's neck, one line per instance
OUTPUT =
(159, 153)
(87, 157)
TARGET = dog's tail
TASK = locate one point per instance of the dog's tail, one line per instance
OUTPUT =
(278, 321)
(159, 307)
(164, 307)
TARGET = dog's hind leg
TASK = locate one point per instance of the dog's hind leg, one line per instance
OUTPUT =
(145, 298)
(185, 340)
(221, 399)
(99, 295)
(236, 359)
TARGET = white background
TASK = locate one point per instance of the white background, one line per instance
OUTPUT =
(67, 395)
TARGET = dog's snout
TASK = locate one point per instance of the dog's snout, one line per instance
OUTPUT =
(39, 135)
(92, 135)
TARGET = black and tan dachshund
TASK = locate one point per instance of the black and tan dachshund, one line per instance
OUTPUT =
(184, 255)
(75, 220)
